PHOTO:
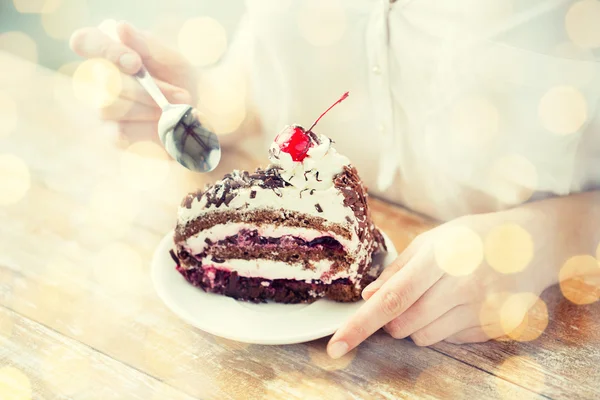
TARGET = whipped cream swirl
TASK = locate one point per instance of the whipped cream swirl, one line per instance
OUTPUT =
(321, 164)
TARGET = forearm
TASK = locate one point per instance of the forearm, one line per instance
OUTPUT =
(575, 220)
(560, 228)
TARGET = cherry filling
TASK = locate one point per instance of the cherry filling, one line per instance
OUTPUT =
(294, 141)
(250, 238)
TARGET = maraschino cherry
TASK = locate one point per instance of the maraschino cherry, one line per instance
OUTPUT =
(295, 141)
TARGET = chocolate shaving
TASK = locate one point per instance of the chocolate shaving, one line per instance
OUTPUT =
(302, 191)
(312, 191)
(317, 177)
(208, 241)
(253, 194)
(224, 191)
(318, 207)
(174, 257)
(314, 137)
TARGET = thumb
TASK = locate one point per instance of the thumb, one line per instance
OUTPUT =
(161, 61)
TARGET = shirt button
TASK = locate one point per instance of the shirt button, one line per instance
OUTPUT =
(376, 70)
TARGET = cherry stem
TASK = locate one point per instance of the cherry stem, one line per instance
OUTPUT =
(333, 105)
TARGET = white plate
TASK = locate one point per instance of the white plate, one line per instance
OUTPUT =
(266, 323)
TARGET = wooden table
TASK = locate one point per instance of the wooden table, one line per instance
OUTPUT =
(79, 317)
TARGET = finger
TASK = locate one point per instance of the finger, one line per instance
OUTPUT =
(374, 286)
(395, 296)
(435, 303)
(475, 334)
(127, 110)
(457, 319)
(132, 90)
(390, 270)
(92, 43)
(163, 62)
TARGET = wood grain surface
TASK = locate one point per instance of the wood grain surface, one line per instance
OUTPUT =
(79, 318)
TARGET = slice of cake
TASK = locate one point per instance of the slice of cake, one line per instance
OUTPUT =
(293, 232)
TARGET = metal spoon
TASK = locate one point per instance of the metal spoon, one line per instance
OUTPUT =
(179, 129)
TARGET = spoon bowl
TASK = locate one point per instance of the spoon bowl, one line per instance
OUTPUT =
(187, 140)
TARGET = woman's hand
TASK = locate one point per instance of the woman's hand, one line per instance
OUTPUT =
(134, 110)
(452, 282)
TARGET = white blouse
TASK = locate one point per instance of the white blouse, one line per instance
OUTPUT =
(455, 107)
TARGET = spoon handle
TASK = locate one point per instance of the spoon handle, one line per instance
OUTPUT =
(145, 79)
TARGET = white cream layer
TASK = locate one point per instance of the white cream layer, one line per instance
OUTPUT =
(197, 243)
(269, 269)
(331, 202)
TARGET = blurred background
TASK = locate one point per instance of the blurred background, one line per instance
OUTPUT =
(49, 23)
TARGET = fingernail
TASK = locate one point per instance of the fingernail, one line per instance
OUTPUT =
(366, 294)
(129, 61)
(371, 288)
(337, 349)
(182, 97)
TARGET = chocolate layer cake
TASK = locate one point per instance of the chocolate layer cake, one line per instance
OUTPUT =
(293, 232)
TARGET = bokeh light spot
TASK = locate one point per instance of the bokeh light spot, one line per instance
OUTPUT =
(202, 40)
(563, 110)
(222, 106)
(118, 268)
(97, 83)
(144, 165)
(15, 179)
(512, 179)
(474, 120)
(36, 6)
(534, 322)
(322, 22)
(66, 18)
(489, 313)
(458, 250)
(581, 23)
(318, 356)
(14, 384)
(579, 279)
(8, 115)
(514, 310)
(508, 248)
